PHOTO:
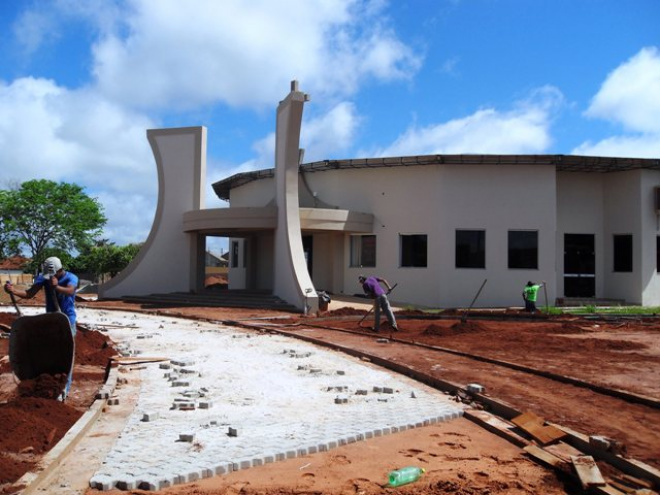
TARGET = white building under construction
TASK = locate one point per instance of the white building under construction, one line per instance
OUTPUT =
(439, 225)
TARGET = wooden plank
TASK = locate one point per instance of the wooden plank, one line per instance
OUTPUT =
(636, 482)
(495, 425)
(138, 360)
(606, 490)
(622, 487)
(535, 427)
(587, 471)
(545, 457)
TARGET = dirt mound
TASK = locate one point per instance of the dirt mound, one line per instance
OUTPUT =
(457, 328)
(44, 386)
(93, 347)
(36, 426)
(345, 312)
(216, 282)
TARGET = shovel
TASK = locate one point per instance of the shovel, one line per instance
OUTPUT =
(13, 301)
(41, 344)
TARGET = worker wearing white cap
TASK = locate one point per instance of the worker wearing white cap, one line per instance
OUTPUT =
(63, 284)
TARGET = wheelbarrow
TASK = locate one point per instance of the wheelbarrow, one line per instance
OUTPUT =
(41, 344)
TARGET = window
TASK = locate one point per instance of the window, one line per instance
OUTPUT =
(623, 253)
(234, 254)
(413, 250)
(363, 250)
(524, 249)
(470, 249)
(245, 252)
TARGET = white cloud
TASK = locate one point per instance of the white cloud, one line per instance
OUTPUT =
(629, 97)
(637, 146)
(526, 129)
(331, 133)
(188, 54)
(49, 132)
(631, 94)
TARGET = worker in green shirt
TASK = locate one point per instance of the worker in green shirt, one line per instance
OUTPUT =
(530, 292)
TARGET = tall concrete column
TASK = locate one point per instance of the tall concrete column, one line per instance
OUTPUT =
(292, 281)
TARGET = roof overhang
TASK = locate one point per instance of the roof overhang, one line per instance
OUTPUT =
(563, 163)
(235, 222)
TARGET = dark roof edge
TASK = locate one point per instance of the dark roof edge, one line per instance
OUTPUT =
(564, 163)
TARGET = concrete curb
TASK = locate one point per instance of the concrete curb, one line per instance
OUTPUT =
(32, 480)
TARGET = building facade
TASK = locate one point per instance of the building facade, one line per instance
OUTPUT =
(443, 227)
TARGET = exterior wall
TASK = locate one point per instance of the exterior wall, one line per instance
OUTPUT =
(446, 198)
(650, 231)
(328, 267)
(621, 211)
(580, 202)
(495, 199)
(255, 193)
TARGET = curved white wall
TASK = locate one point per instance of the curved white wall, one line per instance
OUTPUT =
(168, 261)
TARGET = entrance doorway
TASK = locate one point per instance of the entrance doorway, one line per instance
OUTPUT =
(579, 265)
(308, 244)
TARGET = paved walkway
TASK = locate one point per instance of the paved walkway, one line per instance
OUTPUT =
(222, 399)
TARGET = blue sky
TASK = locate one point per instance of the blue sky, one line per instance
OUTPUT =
(82, 80)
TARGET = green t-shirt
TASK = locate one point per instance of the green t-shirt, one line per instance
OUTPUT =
(530, 292)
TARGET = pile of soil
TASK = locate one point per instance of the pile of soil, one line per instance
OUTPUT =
(459, 327)
(34, 421)
(347, 311)
(44, 386)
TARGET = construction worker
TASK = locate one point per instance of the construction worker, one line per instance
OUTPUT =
(64, 285)
(529, 294)
(372, 288)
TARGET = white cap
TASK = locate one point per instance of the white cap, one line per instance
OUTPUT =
(51, 266)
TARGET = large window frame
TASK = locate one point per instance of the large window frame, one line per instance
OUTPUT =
(470, 248)
(622, 253)
(523, 250)
(413, 250)
(363, 251)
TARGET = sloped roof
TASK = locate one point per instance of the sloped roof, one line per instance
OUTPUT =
(14, 263)
(564, 163)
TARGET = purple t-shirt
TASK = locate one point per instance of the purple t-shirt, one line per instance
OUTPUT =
(372, 287)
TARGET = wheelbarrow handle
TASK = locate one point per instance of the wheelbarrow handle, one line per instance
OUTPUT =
(50, 287)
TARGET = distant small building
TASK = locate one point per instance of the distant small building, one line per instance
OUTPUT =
(214, 261)
(13, 269)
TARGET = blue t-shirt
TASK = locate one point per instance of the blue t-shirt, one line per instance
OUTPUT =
(66, 302)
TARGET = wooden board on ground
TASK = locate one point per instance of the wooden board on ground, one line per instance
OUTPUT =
(545, 457)
(535, 426)
(587, 471)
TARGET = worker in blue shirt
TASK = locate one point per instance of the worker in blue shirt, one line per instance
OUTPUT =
(64, 285)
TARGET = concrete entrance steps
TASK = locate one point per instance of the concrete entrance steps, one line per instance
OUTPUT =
(589, 301)
(216, 298)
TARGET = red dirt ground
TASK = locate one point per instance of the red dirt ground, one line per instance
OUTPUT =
(460, 458)
(33, 422)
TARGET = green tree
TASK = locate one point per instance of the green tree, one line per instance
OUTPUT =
(42, 213)
(105, 258)
(9, 244)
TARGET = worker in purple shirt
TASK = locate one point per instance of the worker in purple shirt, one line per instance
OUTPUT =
(372, 288)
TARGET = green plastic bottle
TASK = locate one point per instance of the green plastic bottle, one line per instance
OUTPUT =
(405, 475)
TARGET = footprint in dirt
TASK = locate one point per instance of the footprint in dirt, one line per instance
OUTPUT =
(340, 459)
